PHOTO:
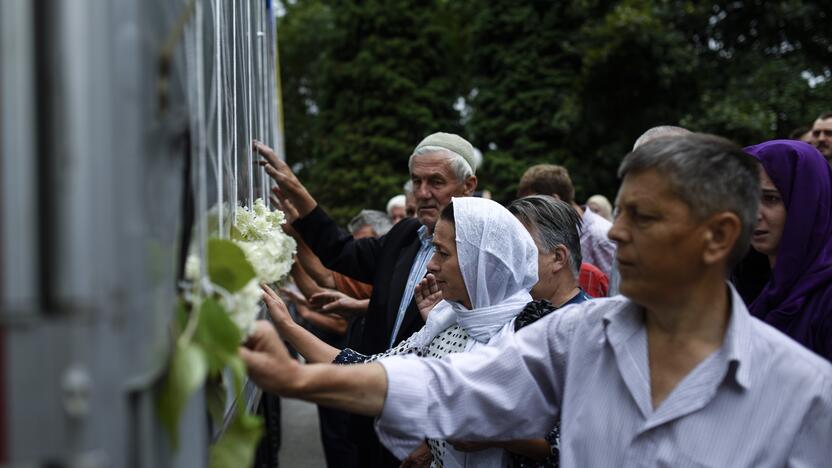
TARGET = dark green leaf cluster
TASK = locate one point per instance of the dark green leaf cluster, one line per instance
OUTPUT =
(572, 83)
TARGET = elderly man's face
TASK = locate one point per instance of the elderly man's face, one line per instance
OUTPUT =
(434, 184)
(660, 244)
(822, 137)
(410, 205)
(397, 213)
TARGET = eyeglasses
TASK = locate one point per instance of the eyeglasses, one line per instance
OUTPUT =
(826, 132)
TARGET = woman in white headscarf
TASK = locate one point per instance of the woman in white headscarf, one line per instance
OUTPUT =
(484, 266)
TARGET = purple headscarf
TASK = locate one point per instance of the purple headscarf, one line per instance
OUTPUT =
(804, 255)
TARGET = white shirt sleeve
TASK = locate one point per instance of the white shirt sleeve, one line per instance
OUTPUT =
(504, 392)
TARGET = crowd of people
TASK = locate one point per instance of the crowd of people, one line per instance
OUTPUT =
(689, 326)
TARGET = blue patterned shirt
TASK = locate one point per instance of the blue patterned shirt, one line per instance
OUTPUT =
(417, 272)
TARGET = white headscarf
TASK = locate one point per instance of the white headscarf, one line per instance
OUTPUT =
(498, 261)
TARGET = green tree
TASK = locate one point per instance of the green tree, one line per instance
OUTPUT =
(572, 83)
(386, 80)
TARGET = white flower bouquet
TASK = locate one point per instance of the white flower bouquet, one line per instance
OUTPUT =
(267, 249)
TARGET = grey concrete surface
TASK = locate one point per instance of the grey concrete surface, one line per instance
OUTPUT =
(301, 441)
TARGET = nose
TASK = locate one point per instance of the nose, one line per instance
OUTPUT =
(421, 191)
(617, 232)
(433, 265)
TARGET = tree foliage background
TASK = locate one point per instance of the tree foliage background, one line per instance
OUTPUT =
(570, 82)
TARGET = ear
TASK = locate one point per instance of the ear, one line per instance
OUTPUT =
(560, 260)
(722, 231)
(469, 186)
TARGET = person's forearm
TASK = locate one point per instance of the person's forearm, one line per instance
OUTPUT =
(312, 348)
(536, 449)
(329, 323)
(304, 282)
(357, 388)
(314, 268)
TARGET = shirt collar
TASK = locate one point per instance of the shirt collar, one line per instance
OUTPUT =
(737, 343)
(424, 235)
(621, 322)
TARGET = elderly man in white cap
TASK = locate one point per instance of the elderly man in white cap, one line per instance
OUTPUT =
(442, 166)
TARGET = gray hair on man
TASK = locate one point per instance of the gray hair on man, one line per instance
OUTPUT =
(408, 187)
(463, 158)
(551, 222)
(661, 131)
(708, 173)
(397, 200)
(377, 220)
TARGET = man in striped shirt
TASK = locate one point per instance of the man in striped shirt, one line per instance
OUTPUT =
(674, 373)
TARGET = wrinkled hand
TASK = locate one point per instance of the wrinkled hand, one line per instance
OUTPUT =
(289, 186)
(269, 364)
(287, 208)
(335, 302)
(419, 458)
(427, 295)
(467, 446)
(277, 309)
(295, 296)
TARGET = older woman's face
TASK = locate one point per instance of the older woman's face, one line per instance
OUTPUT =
(770, 220)
(445, 265)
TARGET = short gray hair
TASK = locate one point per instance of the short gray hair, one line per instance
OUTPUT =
(397, 200)
(408, 187)
(709, 174)
(662, 131)
(373, 218)
(551, 222)
(459, 166)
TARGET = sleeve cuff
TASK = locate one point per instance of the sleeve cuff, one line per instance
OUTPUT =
(400, 426)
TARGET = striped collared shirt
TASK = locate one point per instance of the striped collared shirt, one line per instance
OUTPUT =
(417, 272)
(760, 400)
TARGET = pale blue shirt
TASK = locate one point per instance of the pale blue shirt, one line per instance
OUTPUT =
(760, 400)
(417, 272)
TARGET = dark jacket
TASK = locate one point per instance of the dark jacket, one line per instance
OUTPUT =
(383, 262)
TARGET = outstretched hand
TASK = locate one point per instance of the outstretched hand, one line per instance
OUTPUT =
(280, 202)
(295, 296)
(427, 295)
(336, 302)
(277, 308)
(267, 360)
(289, 186)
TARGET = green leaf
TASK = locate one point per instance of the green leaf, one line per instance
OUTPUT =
(186, 374)
(215, 397)
(237, 445)
(238, 371)
(218, 335)
(181, 316)
(227, 265)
